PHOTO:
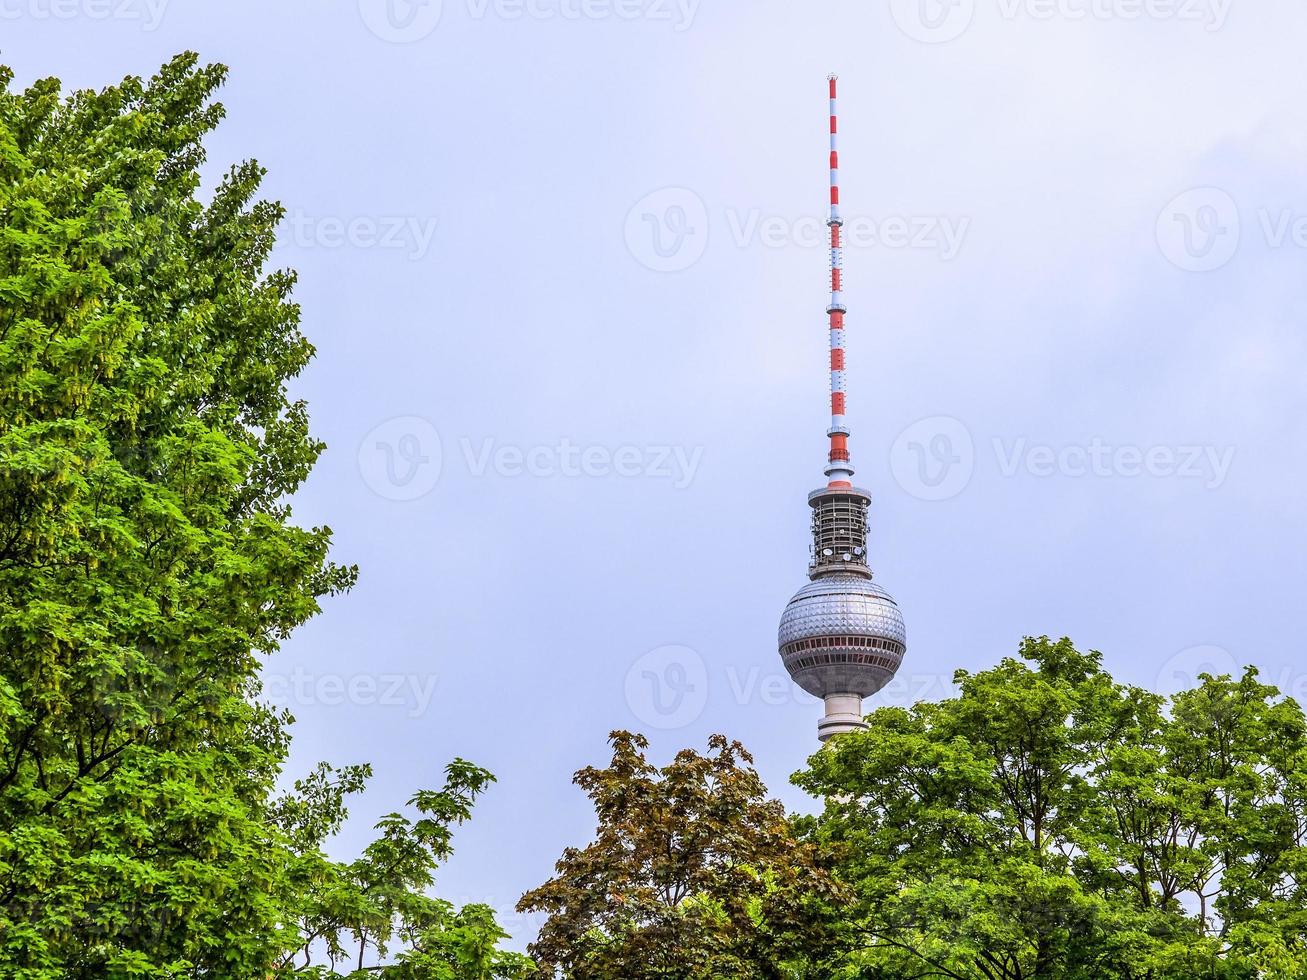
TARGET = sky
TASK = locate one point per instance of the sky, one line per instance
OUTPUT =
(561, 262)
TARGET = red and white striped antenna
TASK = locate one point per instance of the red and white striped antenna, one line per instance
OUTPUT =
(839, 468)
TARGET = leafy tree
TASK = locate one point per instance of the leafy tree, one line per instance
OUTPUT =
(1049, 822)
(355, 913)
(693, 873)
(148, 560)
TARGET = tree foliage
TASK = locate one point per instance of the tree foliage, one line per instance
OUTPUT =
(350, 916)
(148, 560)
(693, 873)
(1049, 822)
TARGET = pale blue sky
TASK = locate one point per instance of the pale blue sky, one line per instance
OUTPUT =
(570, 455)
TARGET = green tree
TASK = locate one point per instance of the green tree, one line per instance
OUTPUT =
(1049, 822)
(355, 915)
(148, 561)
(693, 873)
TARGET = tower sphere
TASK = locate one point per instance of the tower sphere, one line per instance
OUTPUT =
(842, 634)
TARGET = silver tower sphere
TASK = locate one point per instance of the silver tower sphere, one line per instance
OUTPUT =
(842, 636)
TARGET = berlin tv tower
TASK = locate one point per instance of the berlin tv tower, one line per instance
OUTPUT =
(842, 636)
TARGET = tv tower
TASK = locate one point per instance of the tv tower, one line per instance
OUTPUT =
(841, 637)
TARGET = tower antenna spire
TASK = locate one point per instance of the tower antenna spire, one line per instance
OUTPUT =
(839, 469)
